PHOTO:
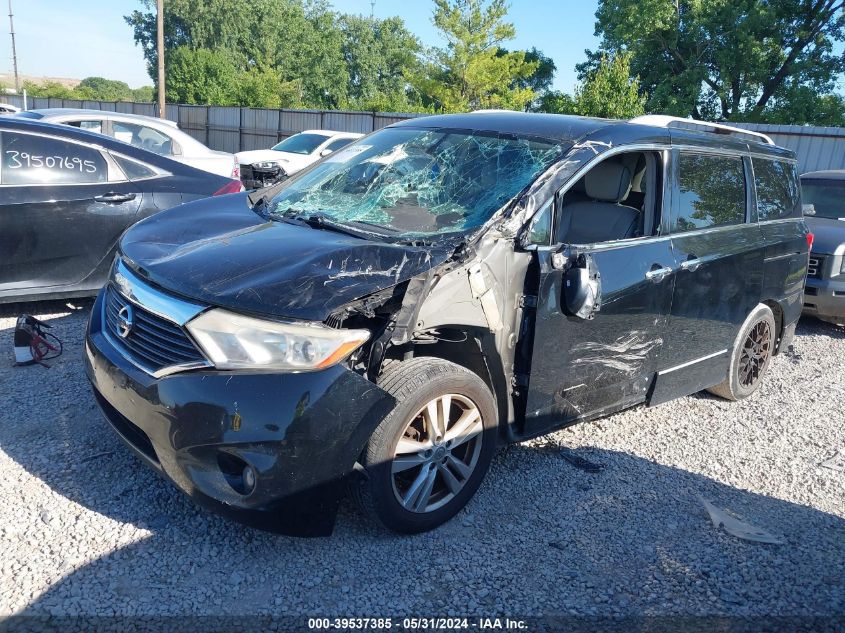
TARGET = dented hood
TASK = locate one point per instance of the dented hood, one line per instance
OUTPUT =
(220, 252)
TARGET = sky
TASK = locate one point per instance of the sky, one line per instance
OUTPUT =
(84, 38)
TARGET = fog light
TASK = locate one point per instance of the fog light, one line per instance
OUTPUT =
(249, 479)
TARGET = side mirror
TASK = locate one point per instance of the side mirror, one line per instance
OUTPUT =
(809, 209)
(325, 152)
(582, 288)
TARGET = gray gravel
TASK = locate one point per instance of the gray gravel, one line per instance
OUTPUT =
(86, 529)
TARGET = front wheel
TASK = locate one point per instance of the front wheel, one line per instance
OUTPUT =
(751, 355)
(429, 455)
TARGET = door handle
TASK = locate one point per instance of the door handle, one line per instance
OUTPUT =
(658, 274)
(691, 264)
(115, 198)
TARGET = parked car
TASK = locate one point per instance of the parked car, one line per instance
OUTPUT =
(160, 136)
(262, 167)
(65, 198)
(7, 108)
(824, 294)
(390, 315)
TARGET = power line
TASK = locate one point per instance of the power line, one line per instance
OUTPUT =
(14, 50)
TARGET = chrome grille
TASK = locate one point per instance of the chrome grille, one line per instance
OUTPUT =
(153, 342)
(816, 267)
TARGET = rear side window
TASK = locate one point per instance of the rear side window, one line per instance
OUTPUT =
(339, 144)
(133, 169)
(29, 159)
(143, 136)
(712, 192)
(778, 194)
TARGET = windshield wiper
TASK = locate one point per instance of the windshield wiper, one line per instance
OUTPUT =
(320, 221)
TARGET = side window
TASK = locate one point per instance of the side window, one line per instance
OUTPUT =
(30, 159)
(91, 126)
(133, 169)
(778, 194)
(339, 144)
(540, 230)
(712, 192)
(143, 136)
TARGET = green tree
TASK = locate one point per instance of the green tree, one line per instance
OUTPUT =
(377, 55)
(51, 89)
(609, 92)
(540, 81)
(144, 94)
(101, 89)
(725, 59)
(469, 73)
(201, 76)
(300, 41)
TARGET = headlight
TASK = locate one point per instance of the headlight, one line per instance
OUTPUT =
(266, 164)
(235, 341)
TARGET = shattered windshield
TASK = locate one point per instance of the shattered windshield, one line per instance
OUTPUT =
(416, 181)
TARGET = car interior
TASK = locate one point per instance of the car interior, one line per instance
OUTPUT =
(615, 200)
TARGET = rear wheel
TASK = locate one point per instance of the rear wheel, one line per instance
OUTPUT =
(428, 457)
(751, 355)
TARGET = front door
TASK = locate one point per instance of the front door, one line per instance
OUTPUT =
(589, 362)
(584, 367)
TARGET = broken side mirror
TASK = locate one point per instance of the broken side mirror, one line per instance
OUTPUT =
(809, 209)
(582, 288)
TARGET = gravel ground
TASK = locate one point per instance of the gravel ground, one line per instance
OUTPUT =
(85, 528)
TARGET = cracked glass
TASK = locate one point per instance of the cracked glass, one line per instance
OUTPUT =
(417, 181)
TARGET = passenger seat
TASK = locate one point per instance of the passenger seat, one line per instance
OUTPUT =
(603, 218)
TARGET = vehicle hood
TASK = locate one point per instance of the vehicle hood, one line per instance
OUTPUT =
(828, 234)
(219, 252)
(257, 155)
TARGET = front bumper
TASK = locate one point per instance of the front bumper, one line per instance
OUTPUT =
(254, 178)
(300, 433)
(825, 298)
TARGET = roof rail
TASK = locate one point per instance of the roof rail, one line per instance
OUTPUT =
(661, 120)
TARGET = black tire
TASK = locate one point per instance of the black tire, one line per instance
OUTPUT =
(414, 384)
(751, 356)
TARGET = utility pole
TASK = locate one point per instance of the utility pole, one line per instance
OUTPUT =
(372, 8)
(14, 50)
(160, 55)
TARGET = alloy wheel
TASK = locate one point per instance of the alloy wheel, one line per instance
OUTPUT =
(756, 351)
(437, 453)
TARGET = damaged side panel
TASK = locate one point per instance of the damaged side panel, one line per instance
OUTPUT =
(585, 367)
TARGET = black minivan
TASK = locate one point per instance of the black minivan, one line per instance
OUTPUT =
(382, 320)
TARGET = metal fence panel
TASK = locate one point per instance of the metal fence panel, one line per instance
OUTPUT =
(259, 128)
(193, 119)
(293, 121)
(361, 122)
(224, 125)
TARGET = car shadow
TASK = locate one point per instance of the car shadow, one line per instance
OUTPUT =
(543, 535)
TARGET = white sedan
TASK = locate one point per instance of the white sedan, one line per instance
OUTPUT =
(8, 108)
(161, 136)
(262, 167)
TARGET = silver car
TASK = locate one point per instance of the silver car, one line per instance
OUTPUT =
(161, 136)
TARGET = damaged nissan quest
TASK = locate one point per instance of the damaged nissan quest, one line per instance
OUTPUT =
(380, 322)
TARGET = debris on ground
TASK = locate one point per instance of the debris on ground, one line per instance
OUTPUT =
(579, 462)
(837, 462)
(736, 527)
